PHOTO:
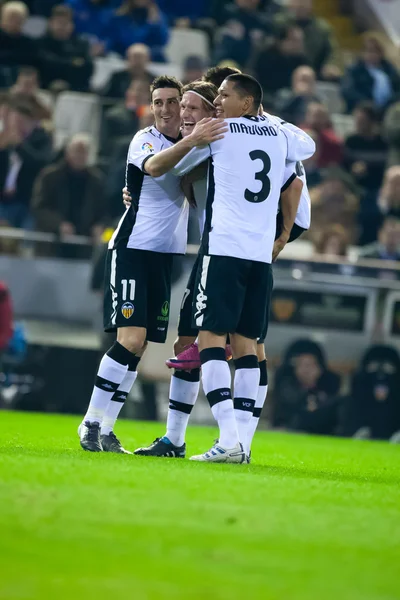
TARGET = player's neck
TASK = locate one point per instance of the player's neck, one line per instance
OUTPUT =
(169, 131)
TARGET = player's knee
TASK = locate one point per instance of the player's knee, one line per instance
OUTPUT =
(133, 339)
(242, 346)
(261, 352)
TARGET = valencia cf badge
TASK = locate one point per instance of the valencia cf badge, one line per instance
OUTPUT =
(127, 310)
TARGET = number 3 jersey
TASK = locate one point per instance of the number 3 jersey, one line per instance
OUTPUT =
(157, 219)
(246, 177)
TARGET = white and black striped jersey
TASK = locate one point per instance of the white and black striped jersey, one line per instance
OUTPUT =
(246, 177)
(157, 219)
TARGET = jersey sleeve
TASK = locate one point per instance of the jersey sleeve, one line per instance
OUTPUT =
(142, 147)
(300, 145)
(288, 176)
(195, 157)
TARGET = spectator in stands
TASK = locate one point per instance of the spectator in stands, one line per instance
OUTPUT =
(365, 150)
(389, 196)
(375, 207)
(91, 18)
(139, 21)
(65, 57)
(329, 145)
(292, 104)
(391, 132)
(16, 49)
(243, 27)
(27, 85)
(371, 77)
(321, 46)
(138, 59)
(305, 391)
(275, 63)
(184, 13)
(122, 120)
(334, 201)
(146, 118)
(193, 69)
(333, 242)
(373, 409)
(388, 245)
(25, 148)
(68, 196)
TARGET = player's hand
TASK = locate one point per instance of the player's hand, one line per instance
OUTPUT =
(207, 131)
(279, 245)
(126, 197)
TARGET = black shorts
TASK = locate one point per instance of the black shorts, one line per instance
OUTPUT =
(295, 232)
(185, 326)
(138, 291)
(232, 295)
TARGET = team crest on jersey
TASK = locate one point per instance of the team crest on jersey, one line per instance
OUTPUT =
(127, 310)
(147, 147)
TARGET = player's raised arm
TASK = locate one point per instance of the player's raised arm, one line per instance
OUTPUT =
(205, 132)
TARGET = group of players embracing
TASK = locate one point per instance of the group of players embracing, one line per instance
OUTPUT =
(213, 147)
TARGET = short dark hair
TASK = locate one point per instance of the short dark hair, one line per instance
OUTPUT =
(216, 75)
(61, 10)
(247, 86)
(206, 89)
(370, 109)
(165, 81)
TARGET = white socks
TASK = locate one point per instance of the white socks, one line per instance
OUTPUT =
(216, 379)
(112, 371)
(260, 401)
(246, 382)
(183, 393)
(117, 402)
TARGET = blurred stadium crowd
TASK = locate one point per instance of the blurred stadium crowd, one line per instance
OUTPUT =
(74, 82)
(52, 139)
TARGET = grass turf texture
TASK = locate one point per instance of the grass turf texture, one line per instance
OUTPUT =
(310, 518)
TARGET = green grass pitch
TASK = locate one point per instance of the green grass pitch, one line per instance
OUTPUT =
(310, 519)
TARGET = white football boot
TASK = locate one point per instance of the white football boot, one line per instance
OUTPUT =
(219, 454)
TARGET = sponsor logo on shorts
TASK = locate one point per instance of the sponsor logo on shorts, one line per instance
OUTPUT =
(127, 310)
(164, 312)
(147, 147)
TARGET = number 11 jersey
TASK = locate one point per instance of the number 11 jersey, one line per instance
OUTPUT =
(245, 180)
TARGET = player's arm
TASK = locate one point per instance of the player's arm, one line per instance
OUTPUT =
(300, 145)
(205, 132)
(289, 205)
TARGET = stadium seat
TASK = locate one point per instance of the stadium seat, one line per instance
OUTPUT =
(104, 67)
(35, 27)
(343, 124)
(77, 113)
(186, 42)
(165, 69)
(331, 96)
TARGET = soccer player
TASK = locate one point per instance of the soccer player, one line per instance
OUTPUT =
(138, 266)
(234, 278)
